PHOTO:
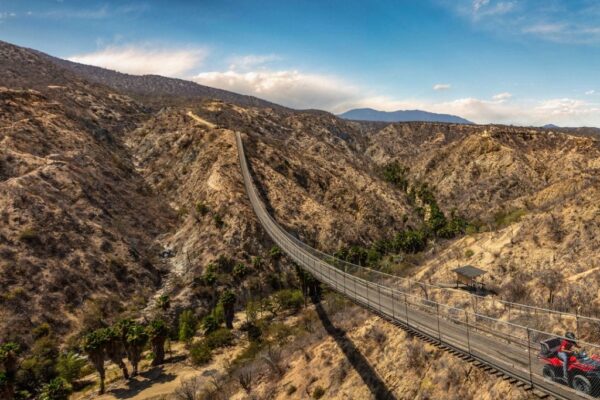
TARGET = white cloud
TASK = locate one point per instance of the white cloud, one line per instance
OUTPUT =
(252, 61)
(477, 4)
(7, 15)
(483, 8)
(143, 59)
(544, 28)
(502, 96)
(303, 90)
(590, 92)
(442, 86)
(288, 87)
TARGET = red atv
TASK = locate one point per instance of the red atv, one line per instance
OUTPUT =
(583, 370)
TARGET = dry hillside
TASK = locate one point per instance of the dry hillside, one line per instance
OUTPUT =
(106, 202)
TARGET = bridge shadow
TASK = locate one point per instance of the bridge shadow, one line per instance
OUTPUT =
(360, 364)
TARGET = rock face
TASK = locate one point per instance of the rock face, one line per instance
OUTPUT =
(103, 198)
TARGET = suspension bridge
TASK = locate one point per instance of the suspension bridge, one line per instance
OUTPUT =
(495, 344)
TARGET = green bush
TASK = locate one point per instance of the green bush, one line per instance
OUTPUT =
(505, 218)
(289, 299)
(200, 353)
(218, 220)
(275, 253)
(410, 241)
(187, 325)
(224, 264)
(57, 389)
(69, 366)
(210, 324)
(318, 392)
(257, 262)
(240, 270)
(396, 175)
(220, 338)
(209, 278)
(201, 208)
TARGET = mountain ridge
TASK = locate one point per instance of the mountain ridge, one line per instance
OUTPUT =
(370, 114)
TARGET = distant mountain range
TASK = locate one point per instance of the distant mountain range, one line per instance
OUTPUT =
(369, 114)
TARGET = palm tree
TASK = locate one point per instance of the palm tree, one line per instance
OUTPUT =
(228, 301)
(135, 341)
(158, 332)
(9, 359)
(115, 349)
(95, 344)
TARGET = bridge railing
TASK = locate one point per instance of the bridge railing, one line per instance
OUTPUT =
(509, 347)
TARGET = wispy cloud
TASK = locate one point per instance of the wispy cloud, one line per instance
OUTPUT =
(502, 96)
(101, 12)
(590, 92)
(441, 86)
(6, 15)
(563, 21)
(145, 59)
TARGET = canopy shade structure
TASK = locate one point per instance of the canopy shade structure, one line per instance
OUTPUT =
(468, 275)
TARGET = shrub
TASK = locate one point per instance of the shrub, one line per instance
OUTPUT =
(220, 338)
(41, 330)
(275, 253)
(289, 299)
(200, 353)
(291, 390)
(209, 278)
(187, 325)
(396, 175)
(257, 262)
(210, 324)
(410, 241)
(224, 264)
(30, 236)
(189, 389)
(163, 302)
(69, 366)
(218, 220)
(318, 392)
(57, 389)
(505, 218)
(201, 208)
(240, 270)
(40, 365)
(280, 332)
(469, 253)
(254, 332)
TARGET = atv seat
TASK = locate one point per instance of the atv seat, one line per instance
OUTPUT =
(549, 347)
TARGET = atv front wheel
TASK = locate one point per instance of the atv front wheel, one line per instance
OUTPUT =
(549, 373)
(582, 384)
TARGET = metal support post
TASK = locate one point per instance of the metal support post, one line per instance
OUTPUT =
(468, 334)
(529, 354)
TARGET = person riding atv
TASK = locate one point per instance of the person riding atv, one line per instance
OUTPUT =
(582, 371)
(565, 352)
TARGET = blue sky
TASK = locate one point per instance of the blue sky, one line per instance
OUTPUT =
(507, 61)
